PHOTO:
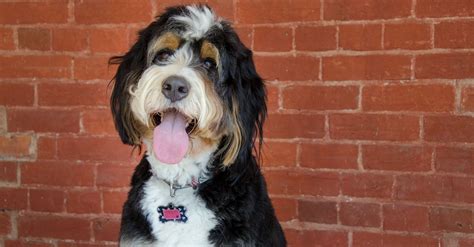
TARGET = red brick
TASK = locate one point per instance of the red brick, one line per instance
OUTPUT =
(16, 94)
(106, 229)
(59, 173)
(13, 198)
(451, 219)
(33, 12)
(299, 183)
(273, 98)
(26, 243)
(72, 94)
(46, 147)
(411, 36)
(454, 34)
(98, 122)
(162, 5)
(360, 37)
(93, 148)
(123, 11)
(360, 214)
(113, 201)
(34, 39)
(318, 38)
(273, 39)
(83, 202)
(451, 66)
(294, 125)
(75, 244)
(245, 35)
(90, 68)
(366, 185)
(323, 238)
(409, 218)
(467, 100)
(367, 239)
(365, 9)
(60, 227)
(370, 67)
(432, 98)
(285, 208)
(15, 145)
(114, 175)
(267, 11)
(336, 156)
(455, 159)
(440, 8)
(434, 188)
(449, 128)
(396, 158)
(69, 39)
(224, 9)
(279, 154)
(328, 97)
(8, 171)
(133, 34)
(47, 200)
(5, 224)
(6, 40)
(35, 66)
(318, 212)
(466, 242)
(299, 68)
(108, 40)
(43, 120)
(374, 127)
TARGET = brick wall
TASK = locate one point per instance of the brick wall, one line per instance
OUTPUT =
(369, 141)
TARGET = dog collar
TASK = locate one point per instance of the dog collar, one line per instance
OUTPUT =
(174, 187)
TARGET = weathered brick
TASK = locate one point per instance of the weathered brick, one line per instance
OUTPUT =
(369, 67)
(431, 98)
(365, 9)
(373, 127)
(328, 97)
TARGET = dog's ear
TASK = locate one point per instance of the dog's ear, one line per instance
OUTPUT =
(131, 66)
(248, 96)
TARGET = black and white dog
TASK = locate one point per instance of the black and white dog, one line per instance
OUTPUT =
(189, 92)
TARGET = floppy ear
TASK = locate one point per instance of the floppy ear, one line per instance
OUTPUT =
(131, 66)
(130, 69)
(248, 96)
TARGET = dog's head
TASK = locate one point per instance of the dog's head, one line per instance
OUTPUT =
(188, 82)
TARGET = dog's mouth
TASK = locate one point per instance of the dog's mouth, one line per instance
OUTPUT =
(191, 123)
(171, 135)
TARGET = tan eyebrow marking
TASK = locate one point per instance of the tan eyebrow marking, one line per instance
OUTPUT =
(208, 50)
(168, 40)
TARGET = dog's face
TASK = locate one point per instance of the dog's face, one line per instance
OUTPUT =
(186, 85)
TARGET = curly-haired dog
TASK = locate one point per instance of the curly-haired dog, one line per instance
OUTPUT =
(188, 90)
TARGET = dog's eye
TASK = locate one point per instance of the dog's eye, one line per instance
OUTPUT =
(163, 56)
(209, 63)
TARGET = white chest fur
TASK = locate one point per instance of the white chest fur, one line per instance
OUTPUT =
(194, 232)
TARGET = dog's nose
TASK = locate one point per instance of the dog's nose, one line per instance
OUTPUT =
(175, 88)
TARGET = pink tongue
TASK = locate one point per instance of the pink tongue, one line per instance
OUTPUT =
(170, 140)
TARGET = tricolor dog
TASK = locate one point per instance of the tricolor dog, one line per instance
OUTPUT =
(188, 90)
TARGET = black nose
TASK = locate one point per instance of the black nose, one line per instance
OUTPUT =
(175, 88)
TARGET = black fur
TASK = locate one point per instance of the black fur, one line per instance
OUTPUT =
(236, 194)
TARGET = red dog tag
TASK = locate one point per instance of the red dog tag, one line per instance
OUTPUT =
(172, 213)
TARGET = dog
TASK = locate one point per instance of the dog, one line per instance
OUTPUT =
(188, 91)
